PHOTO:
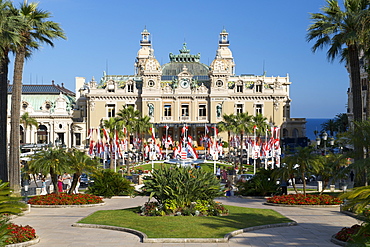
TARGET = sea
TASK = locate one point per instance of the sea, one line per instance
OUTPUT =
(314, 124)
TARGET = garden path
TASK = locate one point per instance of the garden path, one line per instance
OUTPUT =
(315, 227)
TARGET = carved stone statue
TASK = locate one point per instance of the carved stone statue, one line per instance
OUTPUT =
(218, 110)
(151, 110)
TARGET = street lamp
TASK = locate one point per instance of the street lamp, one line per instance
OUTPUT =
(324, 137)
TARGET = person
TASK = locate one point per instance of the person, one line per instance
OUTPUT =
(77, 185)
(60, 184)
(284, 187)
(218, 173)
(228, 188)
(66, 181)
(43, 187)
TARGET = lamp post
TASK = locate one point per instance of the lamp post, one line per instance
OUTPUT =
(324, 138)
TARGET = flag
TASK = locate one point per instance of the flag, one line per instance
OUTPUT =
(185, 128)
(206, 130)
(153, 134)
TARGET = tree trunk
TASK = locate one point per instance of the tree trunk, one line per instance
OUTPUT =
(354, 64)
(4, 118)
(74, 182)
(14, 164)
(241, 153)
(54, 180)
(304, 184)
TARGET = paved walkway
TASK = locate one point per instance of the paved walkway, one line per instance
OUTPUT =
(315, 227)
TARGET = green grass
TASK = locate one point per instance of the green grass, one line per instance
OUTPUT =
(186, 226)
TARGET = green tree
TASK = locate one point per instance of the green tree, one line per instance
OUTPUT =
(305, 161)
(36, 29)
(28, 121)
(330, 126)
(359, 136)
(128, 116)
(80, 162)
(331, 168)
(243, 125)
(341, 122)
(142, 127)
(52, 161)
(227, 124)
(261, 124)
(287, 171)
(9, 36)
(339, 29)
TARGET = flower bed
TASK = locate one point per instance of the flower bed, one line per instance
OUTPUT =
(65, 199)
(347, 232)
(20, 234)
(300, 199)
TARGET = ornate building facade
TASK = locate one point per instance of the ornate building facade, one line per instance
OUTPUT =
(52, 107)
(186, 91)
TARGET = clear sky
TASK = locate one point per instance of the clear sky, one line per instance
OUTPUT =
(265, 35)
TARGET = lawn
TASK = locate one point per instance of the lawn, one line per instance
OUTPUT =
(186, 226)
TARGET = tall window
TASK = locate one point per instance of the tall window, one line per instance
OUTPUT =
(202, 110)
(78, 139)
(259, 109)
(111, 110)
(167, 111)
(258, 88)
(239, 108)
(185, 110)
(239, 88)
(130, 88)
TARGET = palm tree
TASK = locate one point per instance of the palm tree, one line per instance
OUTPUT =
(330, 126)
(261, 124)
(227, 125)
(114, 125)
(286, 172)
(331, 168)
(305, 162)
(51, 161)
(337, 28)
(360, 137)
(9, 36)
(80, 162)
(142, 127)
(243, 125)
(128, 116)
(36, 29)
(26, 120)
(341, 122)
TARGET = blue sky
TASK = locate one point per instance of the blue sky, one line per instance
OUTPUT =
(270, 34)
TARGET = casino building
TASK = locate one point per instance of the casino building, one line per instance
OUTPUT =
(186, 91)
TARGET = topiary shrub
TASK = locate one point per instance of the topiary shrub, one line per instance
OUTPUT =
(177, 189)
(108, 183)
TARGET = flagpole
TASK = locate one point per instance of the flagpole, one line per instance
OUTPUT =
(265, 150)
(254, 160)
(166, 142)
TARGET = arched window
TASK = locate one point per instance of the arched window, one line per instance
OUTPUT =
(22, 135)
(295, 133)
(42, 134)
(285, 133)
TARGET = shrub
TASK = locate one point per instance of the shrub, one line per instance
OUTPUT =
(65, 199)
(300, 199)
(261, 184)
(181, 186)
(108, 183)
(198, 208)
